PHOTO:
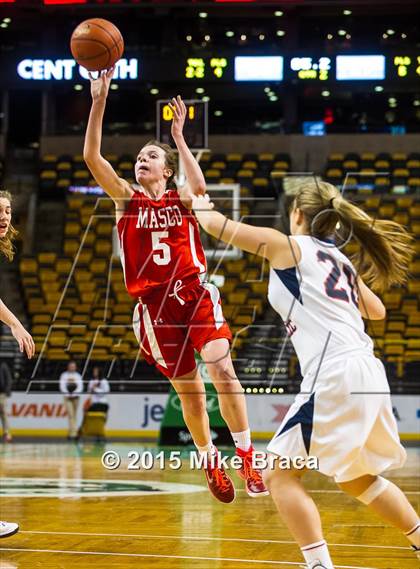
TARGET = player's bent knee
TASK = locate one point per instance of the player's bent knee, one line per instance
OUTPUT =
(373, 490)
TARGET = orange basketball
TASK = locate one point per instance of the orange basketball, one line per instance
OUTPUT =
(96, 44)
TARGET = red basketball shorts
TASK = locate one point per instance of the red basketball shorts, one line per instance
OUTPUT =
(172, 326)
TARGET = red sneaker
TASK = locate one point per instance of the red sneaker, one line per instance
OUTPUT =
(254, 484)
(219, 483)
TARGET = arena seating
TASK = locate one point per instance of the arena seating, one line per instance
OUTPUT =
(95, 314)
(383, 172)
(252, 171)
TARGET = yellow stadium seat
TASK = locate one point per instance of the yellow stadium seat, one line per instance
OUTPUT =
(47, 275)
(218, 165)
(51, 158)
(46, 258)
(237, 297)
(266, 156)
(382, 165)
(351, 165)
(28, 266)
(72, 229)
(234, 157)
(415, 210)
(212, 173)
(280, 165)
(71, 246)
(404, 202)
(64, 166)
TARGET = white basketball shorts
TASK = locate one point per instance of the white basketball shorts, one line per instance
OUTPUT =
(343, 416)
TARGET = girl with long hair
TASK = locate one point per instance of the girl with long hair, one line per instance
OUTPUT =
(24, 339)
(343, 413)
(177, 313)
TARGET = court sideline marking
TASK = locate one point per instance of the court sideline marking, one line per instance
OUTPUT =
(192, 557)
(204, 538)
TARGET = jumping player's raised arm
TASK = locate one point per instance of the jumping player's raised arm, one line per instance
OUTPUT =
(117, 188)
(266, 242)
(196, 183)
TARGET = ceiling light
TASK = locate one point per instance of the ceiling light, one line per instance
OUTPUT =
(392, 100)
(273, 98)
(7, 20)
(261, 37)
(403, 36)
(390, 32)
(206, 98)
(278, 13)
(416, 102)
(243, 37)
(384, 36)
(379, 88)
(325, 93)
(154, 91)
(267, 89)
(207, 38)
(188, 38)
(4, 25)
(342, 32)
(203, 14)
(281, 33)
(348, 37)
(230, 34)
(114, 87)
(199, 90)
(347, 12)
(330, 36)
(218, 113)
(78, 87)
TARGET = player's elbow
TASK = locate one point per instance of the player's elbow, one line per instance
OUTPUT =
(200, 189)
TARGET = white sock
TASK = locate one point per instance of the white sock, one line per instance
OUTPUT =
(242, 440)
(209, 449)
(414, 535)
(317, 552)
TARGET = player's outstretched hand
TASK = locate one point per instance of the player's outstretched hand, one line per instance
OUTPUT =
(99, 86)
(202, 203)
(180, 112)
(24, 339)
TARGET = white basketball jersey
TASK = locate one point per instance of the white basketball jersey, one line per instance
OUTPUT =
(318, 302)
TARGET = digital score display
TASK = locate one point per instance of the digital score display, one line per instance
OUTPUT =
(195, 128)
(311, 67)
(406, 66)
(206, 68)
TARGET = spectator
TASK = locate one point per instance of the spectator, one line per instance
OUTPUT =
(71, 386)
(5, 392)
(98, 387)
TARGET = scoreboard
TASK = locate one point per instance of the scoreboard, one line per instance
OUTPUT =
(195, 128)
(399, 70)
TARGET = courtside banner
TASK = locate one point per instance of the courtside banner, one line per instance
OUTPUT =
(142, 414)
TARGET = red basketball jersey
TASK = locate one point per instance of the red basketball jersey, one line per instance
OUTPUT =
(159, 243)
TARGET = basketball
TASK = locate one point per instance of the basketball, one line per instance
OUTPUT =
(96, 44)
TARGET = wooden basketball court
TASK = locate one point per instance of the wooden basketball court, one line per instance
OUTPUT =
(74, 513)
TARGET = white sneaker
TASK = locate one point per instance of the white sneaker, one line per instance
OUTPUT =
(7, 529)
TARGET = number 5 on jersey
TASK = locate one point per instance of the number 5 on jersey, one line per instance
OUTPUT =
(163, 255)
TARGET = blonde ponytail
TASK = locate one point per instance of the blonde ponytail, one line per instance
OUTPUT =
(386, 248)
(6, 244)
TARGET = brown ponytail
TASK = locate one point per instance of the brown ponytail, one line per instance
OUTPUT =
(6, 243)
(385, 246)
